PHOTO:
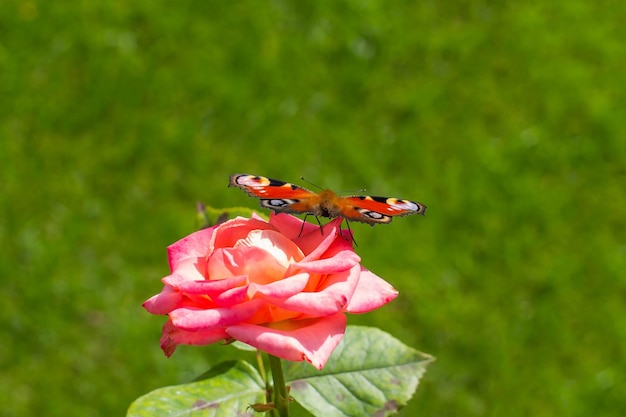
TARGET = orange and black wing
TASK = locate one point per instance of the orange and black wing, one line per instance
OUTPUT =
(374, 210)
(280, 196)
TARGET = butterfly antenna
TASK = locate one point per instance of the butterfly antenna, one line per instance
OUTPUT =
(310, 183)
(362, 190)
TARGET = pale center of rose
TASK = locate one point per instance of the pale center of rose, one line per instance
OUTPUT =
(283, 250)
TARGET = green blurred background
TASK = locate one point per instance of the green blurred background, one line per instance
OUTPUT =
(505, 118)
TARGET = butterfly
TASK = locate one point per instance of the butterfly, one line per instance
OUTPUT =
(283, 197)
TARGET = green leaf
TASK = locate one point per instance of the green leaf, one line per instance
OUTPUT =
(226, 390)
(207, 216)
(243, 346)
(369, 374)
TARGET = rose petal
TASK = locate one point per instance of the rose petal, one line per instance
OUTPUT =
(193, 319)
(281, 289)
(339, 256)
(219, 293)
(228, 233)
(211, 288)
(340, 262)
(193, 246)
(256, 263)
(276, 244)
(256, 216)
(173, 336)
(269, 313)
(291, 226)
(314, 244)
(332, 296)
(164, 302)
(232, 297)
(312, 340)
(371, 292)
(187, 270)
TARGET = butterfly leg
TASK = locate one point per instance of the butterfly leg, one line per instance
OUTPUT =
(318, 222)
(349, 231)
(302, 228)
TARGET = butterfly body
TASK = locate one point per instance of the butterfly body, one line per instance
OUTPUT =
(283, 197)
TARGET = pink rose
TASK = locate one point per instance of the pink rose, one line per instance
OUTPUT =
(267, 285)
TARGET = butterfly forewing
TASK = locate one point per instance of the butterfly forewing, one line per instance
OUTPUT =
(264, 187)
(280, 196)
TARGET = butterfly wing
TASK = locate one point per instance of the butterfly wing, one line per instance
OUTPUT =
(280, 196)
(374, 210)
(284, 197)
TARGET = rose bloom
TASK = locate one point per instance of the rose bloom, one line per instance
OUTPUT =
(271, 284)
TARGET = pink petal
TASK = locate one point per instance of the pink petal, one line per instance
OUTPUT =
(193, 319)
(219, 293)
(173, 336)
(333, 296)
(312, 340)
(291, 226)
(164, 302)
(371, 293)
(257, 264)
(187, 270)
(256, 216)
(332, 240)
(227, 234)
(282, 248)
(314, 244)
(211, 288)
(232, 297)
(281, 289)
(339, 262)
(193, 246)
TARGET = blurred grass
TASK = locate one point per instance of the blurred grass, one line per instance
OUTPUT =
(506, 119)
